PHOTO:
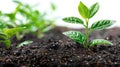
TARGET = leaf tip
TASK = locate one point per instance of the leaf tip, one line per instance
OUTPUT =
(97, 3)
(64, 33)
(63, 19)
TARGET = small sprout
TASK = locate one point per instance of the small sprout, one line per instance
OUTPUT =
(32, 21)
(12, 31)
(36, 22)
(4, 39)
(6, 34)
(87, 13)
(24, 43)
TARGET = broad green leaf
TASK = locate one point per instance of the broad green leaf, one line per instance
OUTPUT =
(83, 10)
(76, 36)
(102, 24)
(100, 42)
(93, 9)
(12, 31)
(24, 43)
(73, 20)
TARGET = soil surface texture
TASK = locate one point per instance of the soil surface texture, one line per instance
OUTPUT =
(57, 50)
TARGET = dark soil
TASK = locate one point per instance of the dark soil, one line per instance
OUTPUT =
(57, 50)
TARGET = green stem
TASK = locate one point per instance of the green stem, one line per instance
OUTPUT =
(87, 33)
(15, 12)
(18, 36)
(90, 30)
(39, 34)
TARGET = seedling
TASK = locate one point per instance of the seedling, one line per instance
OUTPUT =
(87, 13)
(25, 15)
(36, 21)
(24, 18)
(6, 34)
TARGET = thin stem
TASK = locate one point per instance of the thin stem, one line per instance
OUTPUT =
(39, 34)
(90, 31)
(18, 36)
(87, 33)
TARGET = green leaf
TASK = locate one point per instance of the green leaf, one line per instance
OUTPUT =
(102, 24)
(12, 31)
(100, 42)
(76, 36)
(83, 10)
(16, 1)
(73, 20)
(93, 9)
(11, 16)
(2, 25)
(53, 6)
(17, 8)
(7, 43)
(0, 13)
(24, 43)
(3, 37)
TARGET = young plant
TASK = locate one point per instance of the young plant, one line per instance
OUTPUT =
(87, 13)
(6, 34)
(35, 21)
(25, 15)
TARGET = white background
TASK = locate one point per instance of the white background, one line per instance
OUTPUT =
(109, 9)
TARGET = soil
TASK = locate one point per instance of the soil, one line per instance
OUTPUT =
(57, 50)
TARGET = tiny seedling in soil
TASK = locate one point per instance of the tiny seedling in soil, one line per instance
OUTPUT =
(6, 34)
(32, 21)
(87, 13)
(31, 18)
